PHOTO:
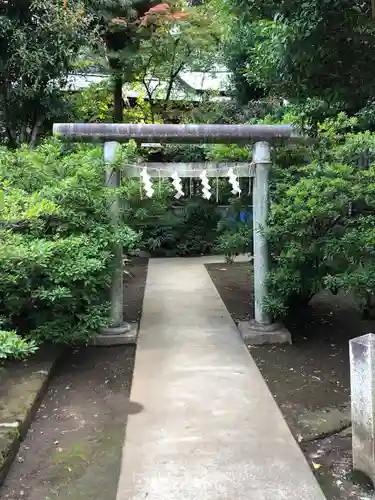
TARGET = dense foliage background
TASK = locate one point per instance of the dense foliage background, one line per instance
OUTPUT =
(308, 63)
(56, 251)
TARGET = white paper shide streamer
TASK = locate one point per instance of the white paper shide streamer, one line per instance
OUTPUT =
(177, 184)
(147, 184)
(206, 188)
(233, 181)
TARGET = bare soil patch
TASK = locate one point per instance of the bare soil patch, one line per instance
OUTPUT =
(310, 377)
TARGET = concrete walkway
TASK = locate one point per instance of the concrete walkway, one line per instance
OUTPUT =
(208, 427)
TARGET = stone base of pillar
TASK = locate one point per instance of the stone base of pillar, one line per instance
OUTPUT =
(126, 334)
(254, 333)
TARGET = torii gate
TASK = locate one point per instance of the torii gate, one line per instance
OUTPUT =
(260, 330)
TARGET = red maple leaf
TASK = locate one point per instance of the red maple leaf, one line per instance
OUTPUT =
(162, 11)
(161, 7)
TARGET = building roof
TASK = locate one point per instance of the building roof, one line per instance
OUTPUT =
(189, 85)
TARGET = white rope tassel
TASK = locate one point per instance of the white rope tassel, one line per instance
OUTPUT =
(206, 188)
(233, 181)
(177, 184)
(147, 184)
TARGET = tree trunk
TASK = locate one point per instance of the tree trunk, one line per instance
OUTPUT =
(118, 102)
(34, 135)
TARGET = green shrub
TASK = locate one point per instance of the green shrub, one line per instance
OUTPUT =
(151, 218)
(167, 228)
(197, 232)
(190, 230)
(235, 241)
(321, 225)
(13, 346)
(56, 242)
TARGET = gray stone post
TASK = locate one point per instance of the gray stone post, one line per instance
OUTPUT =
(262, 161)
(362, 387)
(119, 331)
(261, 330)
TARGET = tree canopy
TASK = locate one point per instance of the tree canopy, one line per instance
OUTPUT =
(188, 39)
(39, 41)
(306, 49)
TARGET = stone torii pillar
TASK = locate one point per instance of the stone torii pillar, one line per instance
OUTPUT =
(261, 329)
